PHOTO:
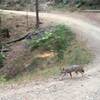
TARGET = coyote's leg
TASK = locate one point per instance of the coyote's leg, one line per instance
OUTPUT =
(82, 73)
(76, 72)
(63, 75)
(70, 75)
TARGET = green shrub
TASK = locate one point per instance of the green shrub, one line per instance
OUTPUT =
(78, 55)
(1, 60)
(1, 57)
(0, 46)
(57, 40)
(2, 78)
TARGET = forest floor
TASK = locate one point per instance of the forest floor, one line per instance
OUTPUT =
(86, 25)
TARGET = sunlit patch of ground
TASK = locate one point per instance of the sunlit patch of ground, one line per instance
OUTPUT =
(46, 55)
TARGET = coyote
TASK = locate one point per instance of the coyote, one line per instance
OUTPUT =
(74, 68)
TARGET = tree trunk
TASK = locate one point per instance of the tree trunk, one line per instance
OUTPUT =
(37, 14)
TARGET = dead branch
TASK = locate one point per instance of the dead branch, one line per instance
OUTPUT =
(4, 50)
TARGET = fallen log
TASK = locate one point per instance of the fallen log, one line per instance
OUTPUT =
(90, 11)
(19, 39)
(4, 50)
(16, 40)
(26, 36)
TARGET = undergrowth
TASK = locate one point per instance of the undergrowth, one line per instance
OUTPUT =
(59, 41)
(1, 60)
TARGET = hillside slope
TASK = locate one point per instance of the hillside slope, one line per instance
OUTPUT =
(86, 88)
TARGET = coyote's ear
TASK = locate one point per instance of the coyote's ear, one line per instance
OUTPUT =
(63, 69)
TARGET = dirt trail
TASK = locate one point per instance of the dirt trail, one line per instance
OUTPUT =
(86, 88)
